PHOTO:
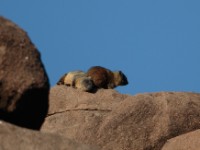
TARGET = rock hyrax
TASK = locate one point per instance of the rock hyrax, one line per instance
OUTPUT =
(104, 78)
(77, 79)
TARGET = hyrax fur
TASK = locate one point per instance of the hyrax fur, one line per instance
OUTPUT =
(77, 79)
(105, 78)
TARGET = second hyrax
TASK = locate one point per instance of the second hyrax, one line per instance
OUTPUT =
(77, 79)
(105, 78)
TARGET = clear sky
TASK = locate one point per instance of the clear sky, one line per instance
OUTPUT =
(155, 43)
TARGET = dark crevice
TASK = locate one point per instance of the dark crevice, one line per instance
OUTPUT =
(31, 109)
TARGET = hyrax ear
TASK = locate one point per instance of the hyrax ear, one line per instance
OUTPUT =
(120, 72)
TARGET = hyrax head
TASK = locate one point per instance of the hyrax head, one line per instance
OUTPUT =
(120, 78)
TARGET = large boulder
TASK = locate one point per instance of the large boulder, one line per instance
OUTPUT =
(24, 83)
(188, 141)
(116, 121)
(17, 138)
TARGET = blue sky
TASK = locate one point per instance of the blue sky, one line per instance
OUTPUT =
(155, 43)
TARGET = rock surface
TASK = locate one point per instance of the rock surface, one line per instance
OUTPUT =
(188, 141)
(115, 121)
(17, 138)
(24, 84)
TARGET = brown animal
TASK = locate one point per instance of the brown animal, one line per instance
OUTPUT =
(77, 79)
(105, 78)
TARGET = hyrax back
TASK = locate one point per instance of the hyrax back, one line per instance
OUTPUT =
(69, 78)
(105, 78)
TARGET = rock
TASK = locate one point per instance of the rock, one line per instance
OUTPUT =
(24, 84)
(116, 121)
(188, 141)
(70, 107)
(17, 138)
(63, 98)
(146, 121)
